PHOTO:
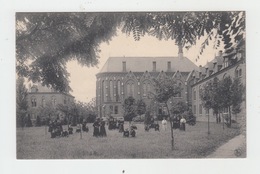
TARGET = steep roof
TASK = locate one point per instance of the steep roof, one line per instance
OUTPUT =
(142, 64)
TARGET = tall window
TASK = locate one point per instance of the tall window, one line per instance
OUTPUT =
(118, 89)
(53, 100)
(111, 109)
(154, 66)
(200, 111)
(194, 94)
(33, 102)
(111, 95)
(103, 90)
(130, 89)
(116, 109)
(194, 109)
(179, 94)
(146, 88)
(240, 73)
(43, 101)
(124, 66)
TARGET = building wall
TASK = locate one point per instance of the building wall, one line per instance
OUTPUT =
(45, 98)
(142, 84)
(239, 67)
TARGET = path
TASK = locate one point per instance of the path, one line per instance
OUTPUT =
(227, 150)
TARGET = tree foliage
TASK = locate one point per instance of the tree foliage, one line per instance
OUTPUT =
(21, 102)
(45, 42)
(165, 88)
(237, 95)
(129, 107)
(140, 107)
(178, 107)
(76, 112)
(221, 94)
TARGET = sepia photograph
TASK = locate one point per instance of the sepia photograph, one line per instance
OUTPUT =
(131, 85)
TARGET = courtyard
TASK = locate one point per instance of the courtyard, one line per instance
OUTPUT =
(34, 143)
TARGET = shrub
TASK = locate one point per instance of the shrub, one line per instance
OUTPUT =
(139, 118)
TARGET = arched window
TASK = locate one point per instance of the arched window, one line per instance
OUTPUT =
(43, 101)
(111, 95)
(118, 89)
(194, 94)
(130, 89)
(53, 100)
(103, 93)
(33, 101)
(180, 85)
(146, 88)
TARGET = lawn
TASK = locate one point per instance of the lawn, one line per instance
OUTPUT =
(33, 143)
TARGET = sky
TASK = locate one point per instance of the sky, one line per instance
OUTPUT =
(83, 79)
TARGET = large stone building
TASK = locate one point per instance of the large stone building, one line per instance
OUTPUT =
(122, 77)
(219, 68)
(40, 96)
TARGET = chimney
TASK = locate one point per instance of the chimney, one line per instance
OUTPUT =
(220, 53)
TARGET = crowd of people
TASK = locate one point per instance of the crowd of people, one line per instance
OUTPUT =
(56, 129)
(179, 123)
(99, 127)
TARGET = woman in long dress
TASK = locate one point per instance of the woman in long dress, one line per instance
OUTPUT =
(103, 129)
(96, 132)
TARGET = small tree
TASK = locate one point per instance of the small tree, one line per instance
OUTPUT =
(147, 118)
(140, 107)
(206, 96)
(129, 107)
(166, 88)
(225, 93)
(38, 121)
(178, 107)
(216, 99)
(237, 90)
(28, 121)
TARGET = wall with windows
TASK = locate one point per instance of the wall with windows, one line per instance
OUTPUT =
(234, 70)
(113, 88)
(37, 100)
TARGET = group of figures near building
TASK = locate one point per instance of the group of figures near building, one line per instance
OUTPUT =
(99, 128)
(56, 129)
(179, 123)
(151, 125)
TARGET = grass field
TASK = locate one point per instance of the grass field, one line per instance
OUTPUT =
(33, 143)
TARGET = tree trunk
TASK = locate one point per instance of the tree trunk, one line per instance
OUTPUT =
(180, 52)
(229, 113)
(180, 49)
(223, 119)
(172, 137)
(208, 123)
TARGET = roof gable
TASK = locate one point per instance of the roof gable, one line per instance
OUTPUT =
(142, 64)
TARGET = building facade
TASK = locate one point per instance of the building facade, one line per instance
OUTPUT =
(122, 77)
(40, 97)
(220, 67)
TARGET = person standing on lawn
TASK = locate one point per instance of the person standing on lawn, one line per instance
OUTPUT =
(164, 124)
(182, 123)
(96, 128)
(103, 129)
